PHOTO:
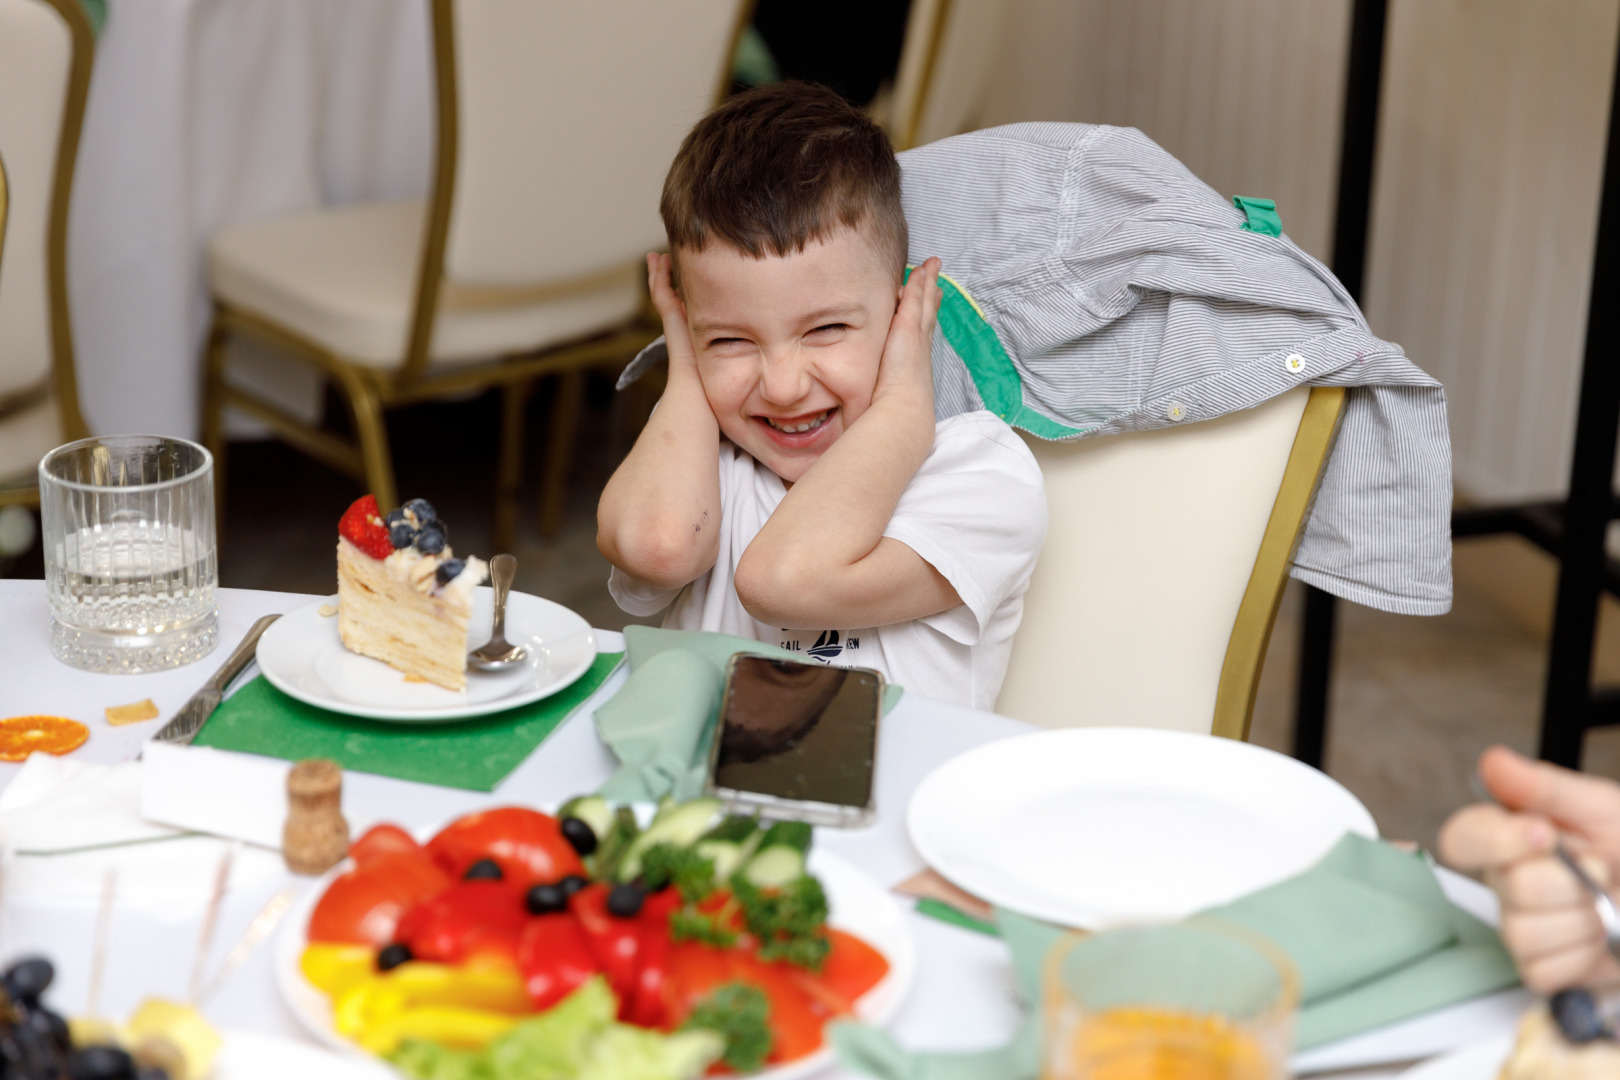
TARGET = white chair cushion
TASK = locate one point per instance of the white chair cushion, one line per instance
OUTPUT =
(345, 278)
(26, 437)
(1150, 543)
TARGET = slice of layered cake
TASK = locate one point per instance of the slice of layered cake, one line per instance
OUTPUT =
(403, 596)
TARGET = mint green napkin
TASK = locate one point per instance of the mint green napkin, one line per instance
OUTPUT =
(1373, 937)
(659, 723)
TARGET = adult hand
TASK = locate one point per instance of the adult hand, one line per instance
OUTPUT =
(677, 335)
(1548, 922)
(907, 368)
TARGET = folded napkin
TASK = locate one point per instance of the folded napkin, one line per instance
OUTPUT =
(66, 824)
(474, 754)
(1374, 939)
(660, 722)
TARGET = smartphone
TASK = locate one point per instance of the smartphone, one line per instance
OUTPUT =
(797, 741)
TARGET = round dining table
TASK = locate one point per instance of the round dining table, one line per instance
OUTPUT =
(963, 995)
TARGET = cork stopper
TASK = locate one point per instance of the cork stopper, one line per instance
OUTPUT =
(315, 838)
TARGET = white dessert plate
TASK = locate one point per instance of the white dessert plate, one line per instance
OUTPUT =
(302, 656)
(249, 1055)
(856, 903)
(1479, 1061)
(1093, 827)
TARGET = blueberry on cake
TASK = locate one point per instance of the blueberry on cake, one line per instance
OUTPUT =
(1568, 1039)
(403, 596)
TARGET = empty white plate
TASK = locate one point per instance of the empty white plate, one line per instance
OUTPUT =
(1092, 827)
(1481, 1061)
(302, 655)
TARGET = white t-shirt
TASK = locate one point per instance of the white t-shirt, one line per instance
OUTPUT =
(975, 510)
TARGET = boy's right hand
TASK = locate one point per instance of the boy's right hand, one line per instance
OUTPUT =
(677, 335)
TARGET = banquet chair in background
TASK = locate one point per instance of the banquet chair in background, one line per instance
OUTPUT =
(46, 48)
(1165, 561)
(556, 124)
(945, 66)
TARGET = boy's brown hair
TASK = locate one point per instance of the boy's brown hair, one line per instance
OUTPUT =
(777, 167)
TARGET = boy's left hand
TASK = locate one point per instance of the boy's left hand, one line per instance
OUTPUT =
(906, 370)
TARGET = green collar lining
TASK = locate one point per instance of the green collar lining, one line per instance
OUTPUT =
(995, 376)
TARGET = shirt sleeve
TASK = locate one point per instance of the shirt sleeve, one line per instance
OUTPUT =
(976, 511)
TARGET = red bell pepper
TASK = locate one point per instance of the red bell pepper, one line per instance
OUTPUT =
(649, 1005)
(554, 958)
(615, 942)
(467, 919)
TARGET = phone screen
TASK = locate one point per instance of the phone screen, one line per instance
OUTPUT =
(804, 732)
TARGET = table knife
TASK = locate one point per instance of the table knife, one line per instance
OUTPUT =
(189, 720)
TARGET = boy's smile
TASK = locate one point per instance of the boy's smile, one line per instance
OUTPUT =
(788, 347)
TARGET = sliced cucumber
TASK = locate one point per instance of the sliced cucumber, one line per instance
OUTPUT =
(593, 810)
(612, 846)
(775, 867)
(728, 856)
(680, 825)
(788, 834)
(736, 828)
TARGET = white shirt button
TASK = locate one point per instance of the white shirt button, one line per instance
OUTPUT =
(1175, 410)
(1294, 363)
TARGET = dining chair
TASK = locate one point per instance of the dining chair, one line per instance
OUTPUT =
(556, 123)
(1166, 556)
(46, 48)
(945, 67)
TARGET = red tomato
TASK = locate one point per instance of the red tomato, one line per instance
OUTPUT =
(694, 972)
(383, 838)
(364, 905)
(527, 845)
(467, 919)
(555, 958)
(853, 967)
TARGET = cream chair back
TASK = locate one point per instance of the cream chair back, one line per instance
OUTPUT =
(567, 119)
(1151, 548)
(945, 69)
(36, 59)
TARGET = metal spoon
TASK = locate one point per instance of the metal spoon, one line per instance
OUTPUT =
(499, 654)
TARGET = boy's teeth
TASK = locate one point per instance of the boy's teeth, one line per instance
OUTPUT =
(801, 426)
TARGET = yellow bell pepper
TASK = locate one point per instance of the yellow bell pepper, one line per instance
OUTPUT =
(497, 987)
(335, 968)
(452, 1025)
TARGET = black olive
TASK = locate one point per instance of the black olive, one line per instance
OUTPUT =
(1577, 1015)
(579, 834)
(572, 884)
(390, 957)
(100, 1063)
(27, 979)
(50, 1026)
(546, 900)
(484, 870)
(625, 900)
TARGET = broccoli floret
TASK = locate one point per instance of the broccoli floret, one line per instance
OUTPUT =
(665, 864)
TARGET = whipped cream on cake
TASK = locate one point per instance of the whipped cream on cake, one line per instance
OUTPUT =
(403, 596)
(1566, 1039)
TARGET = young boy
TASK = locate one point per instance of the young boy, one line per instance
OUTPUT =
(793, 486)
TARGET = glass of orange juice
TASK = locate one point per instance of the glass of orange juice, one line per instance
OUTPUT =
(1200, 1000)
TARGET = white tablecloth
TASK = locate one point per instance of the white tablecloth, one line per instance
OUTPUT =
(204, 113)
(963, 996)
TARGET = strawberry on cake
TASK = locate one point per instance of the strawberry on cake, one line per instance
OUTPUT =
(403, 596)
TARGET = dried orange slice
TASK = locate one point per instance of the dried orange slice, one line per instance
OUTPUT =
(22, 735)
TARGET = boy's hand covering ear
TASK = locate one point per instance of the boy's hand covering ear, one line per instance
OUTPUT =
(906, 367)
(677, 337)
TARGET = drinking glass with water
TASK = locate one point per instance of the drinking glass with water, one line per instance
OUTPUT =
(130, 564)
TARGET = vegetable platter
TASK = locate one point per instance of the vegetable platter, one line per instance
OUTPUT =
(599, 943)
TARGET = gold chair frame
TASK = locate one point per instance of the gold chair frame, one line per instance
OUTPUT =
(61, 382)
(369, 391)
(1257, 613)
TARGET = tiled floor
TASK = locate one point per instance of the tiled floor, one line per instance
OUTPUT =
(1414, 701)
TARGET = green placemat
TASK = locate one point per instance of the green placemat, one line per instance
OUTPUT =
(471, 754)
